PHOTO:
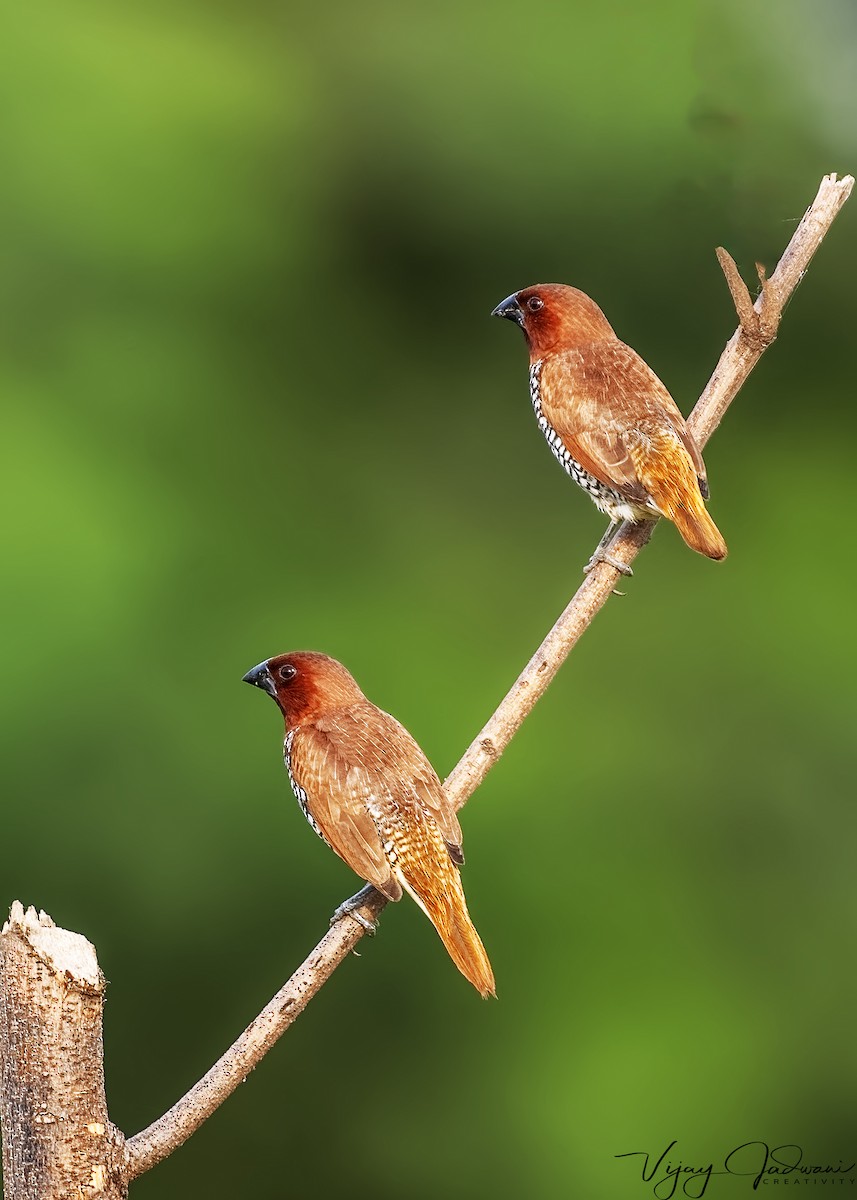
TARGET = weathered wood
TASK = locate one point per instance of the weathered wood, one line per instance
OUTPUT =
(58, 1143)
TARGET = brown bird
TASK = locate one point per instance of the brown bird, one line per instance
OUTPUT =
(368, 790)
(609, 420)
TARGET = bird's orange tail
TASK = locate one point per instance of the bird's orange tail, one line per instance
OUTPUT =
(699, 531)
(446, 908)
(667, 472)
(464, 946)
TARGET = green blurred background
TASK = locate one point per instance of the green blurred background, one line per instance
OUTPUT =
(253, 401)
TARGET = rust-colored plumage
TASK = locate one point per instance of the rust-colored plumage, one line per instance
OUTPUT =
(608, 418)
(368, 790)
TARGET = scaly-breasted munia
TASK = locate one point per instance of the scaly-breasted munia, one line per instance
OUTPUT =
(368, 790)
(609, 420)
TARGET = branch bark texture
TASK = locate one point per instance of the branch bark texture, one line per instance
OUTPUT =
(186, 1116)
(57, 1140)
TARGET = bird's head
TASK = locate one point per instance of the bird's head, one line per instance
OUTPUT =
(305, 685)
(554, 317)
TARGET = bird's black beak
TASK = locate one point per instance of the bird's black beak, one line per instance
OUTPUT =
(510, 309)
(260, 677)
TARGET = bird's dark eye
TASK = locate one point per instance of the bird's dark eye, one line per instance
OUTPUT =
(287, 672)
(534, 304)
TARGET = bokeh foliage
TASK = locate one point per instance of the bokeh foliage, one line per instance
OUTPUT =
(253, 402)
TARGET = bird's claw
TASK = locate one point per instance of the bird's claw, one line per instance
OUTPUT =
(371, 927)
(347, 909)
(600, 557)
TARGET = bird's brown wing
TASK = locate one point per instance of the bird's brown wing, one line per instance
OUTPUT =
(357, 760)
(335, 799)
(432, 797)
(381, 741)
(613, 413)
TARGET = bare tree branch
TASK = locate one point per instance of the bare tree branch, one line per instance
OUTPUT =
(185, 1117)
(757, 329)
